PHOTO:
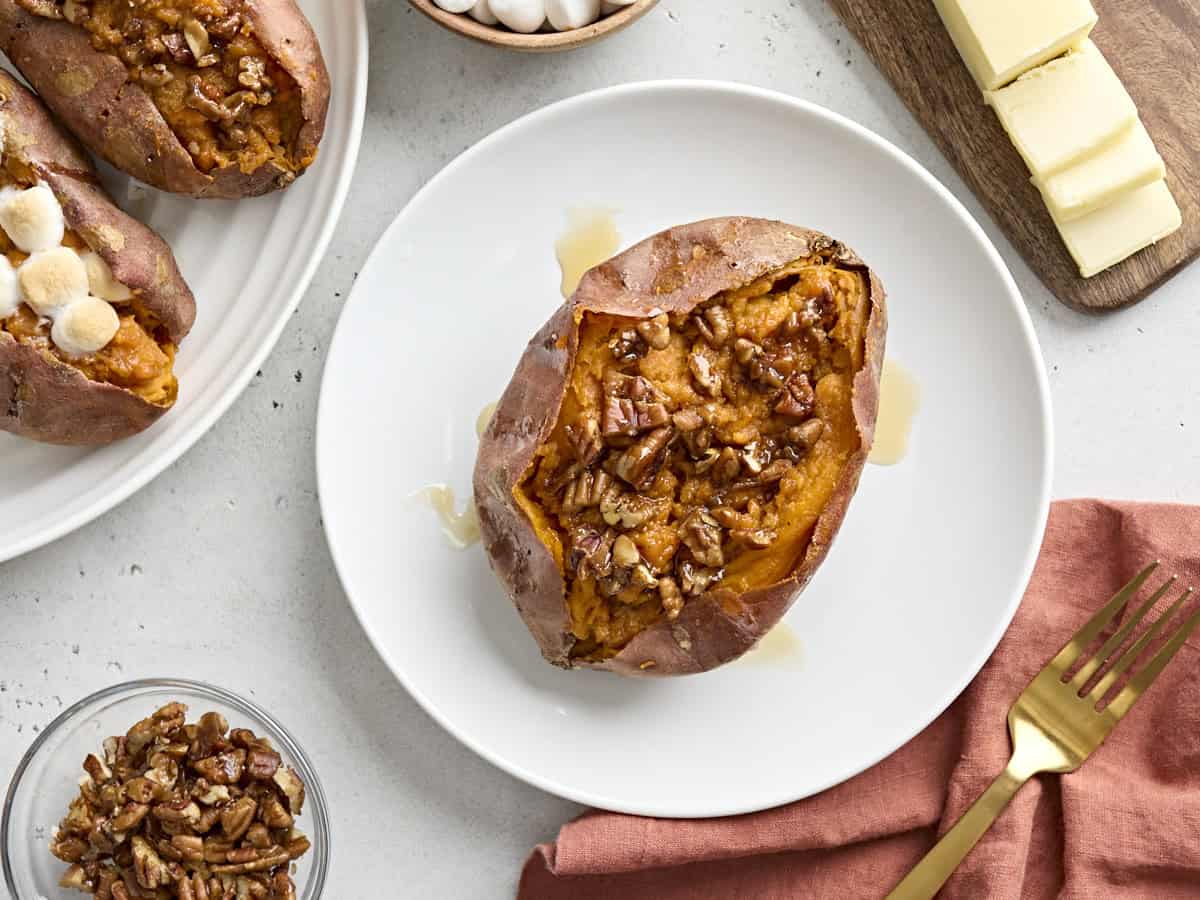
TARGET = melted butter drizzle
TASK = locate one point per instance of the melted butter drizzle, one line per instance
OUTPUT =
(899, 401)
(461, 529)
(590, 239)
(485, 418)
(780, 645)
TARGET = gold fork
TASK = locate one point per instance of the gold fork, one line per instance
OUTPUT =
(1053, 728)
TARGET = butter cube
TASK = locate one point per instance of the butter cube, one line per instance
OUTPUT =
(1132, 162)
(1002, 39)
(1065, 111)
(1117, 231)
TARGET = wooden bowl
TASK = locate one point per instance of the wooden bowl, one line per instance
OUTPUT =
(542, 41)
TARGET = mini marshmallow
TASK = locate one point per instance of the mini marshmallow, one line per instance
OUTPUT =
(524, 16)
(482, 12)
(567, 14)
(51, 280)
(32, 218)
(85, 326)
(10, 293)
(101, 282)
(454, 6)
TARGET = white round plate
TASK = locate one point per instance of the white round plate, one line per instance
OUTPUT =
(248, 263)
(935, 551)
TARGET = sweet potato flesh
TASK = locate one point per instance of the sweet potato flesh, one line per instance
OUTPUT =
(139, 358)
(695, 452)
(218, 89)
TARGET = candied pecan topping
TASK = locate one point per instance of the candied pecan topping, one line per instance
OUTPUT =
(149, 822)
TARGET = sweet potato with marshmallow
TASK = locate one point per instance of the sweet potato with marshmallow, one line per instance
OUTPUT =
(92, 303)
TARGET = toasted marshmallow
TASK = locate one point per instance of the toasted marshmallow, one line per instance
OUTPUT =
(52, 280)
(85, 326)
(32, 218)
(101, 282)
(10, 291)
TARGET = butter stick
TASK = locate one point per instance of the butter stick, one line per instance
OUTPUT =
(1115, 232)
(1002, 39)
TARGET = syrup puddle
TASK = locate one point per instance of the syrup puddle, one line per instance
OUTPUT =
(461, 529)
(899, 401)
(780, 647)
(485, 417)
(590, 239)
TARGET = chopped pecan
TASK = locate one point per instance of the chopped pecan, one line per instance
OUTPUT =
(627, 510)
(196, 99)
(696, 580)
(727, 466)
(628, 345)
(196, 36)
(745, 351)
(585, 439)
(587, 490)
(177, 48)
(755, 538)
(805, 436)
(656, 331)
(262, 763)
(152, 872)
(701, 534)
(633, 417)
(715, 325)
(640, 463)
(224, 768)
(798, 399)
(591, 552)
(47, 9)
(671, 596)
(706, 378)
(625, 552)
(226, 28)
(687, 420)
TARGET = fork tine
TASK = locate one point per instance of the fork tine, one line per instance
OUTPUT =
(1118, 637)
(1071, 650)
(1128, 657)
(1143, 679)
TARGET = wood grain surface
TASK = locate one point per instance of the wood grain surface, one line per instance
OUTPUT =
(1155, 47)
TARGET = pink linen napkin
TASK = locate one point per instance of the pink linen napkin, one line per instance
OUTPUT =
(1126, 825)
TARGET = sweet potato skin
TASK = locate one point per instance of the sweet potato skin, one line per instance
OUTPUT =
(40, 397)
(673, 271)
(90, 92)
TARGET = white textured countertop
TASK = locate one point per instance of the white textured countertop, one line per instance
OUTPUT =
(219, 569)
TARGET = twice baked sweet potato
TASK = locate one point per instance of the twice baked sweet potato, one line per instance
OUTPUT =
(210, 98)
(678, 446)
(56, 221)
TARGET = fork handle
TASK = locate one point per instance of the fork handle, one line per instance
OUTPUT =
(924, 881)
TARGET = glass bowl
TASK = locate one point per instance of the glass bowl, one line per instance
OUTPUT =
(47, 779)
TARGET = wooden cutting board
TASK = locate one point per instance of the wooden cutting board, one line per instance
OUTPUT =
(1155, 47)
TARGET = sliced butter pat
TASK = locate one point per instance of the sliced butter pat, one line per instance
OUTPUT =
(1132, 162)
(101, 282)
(10, 292)
(1065, 111)
(32, 218)
(1117, 231)
(52, 280)
(84, 327)
(1002, 39)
